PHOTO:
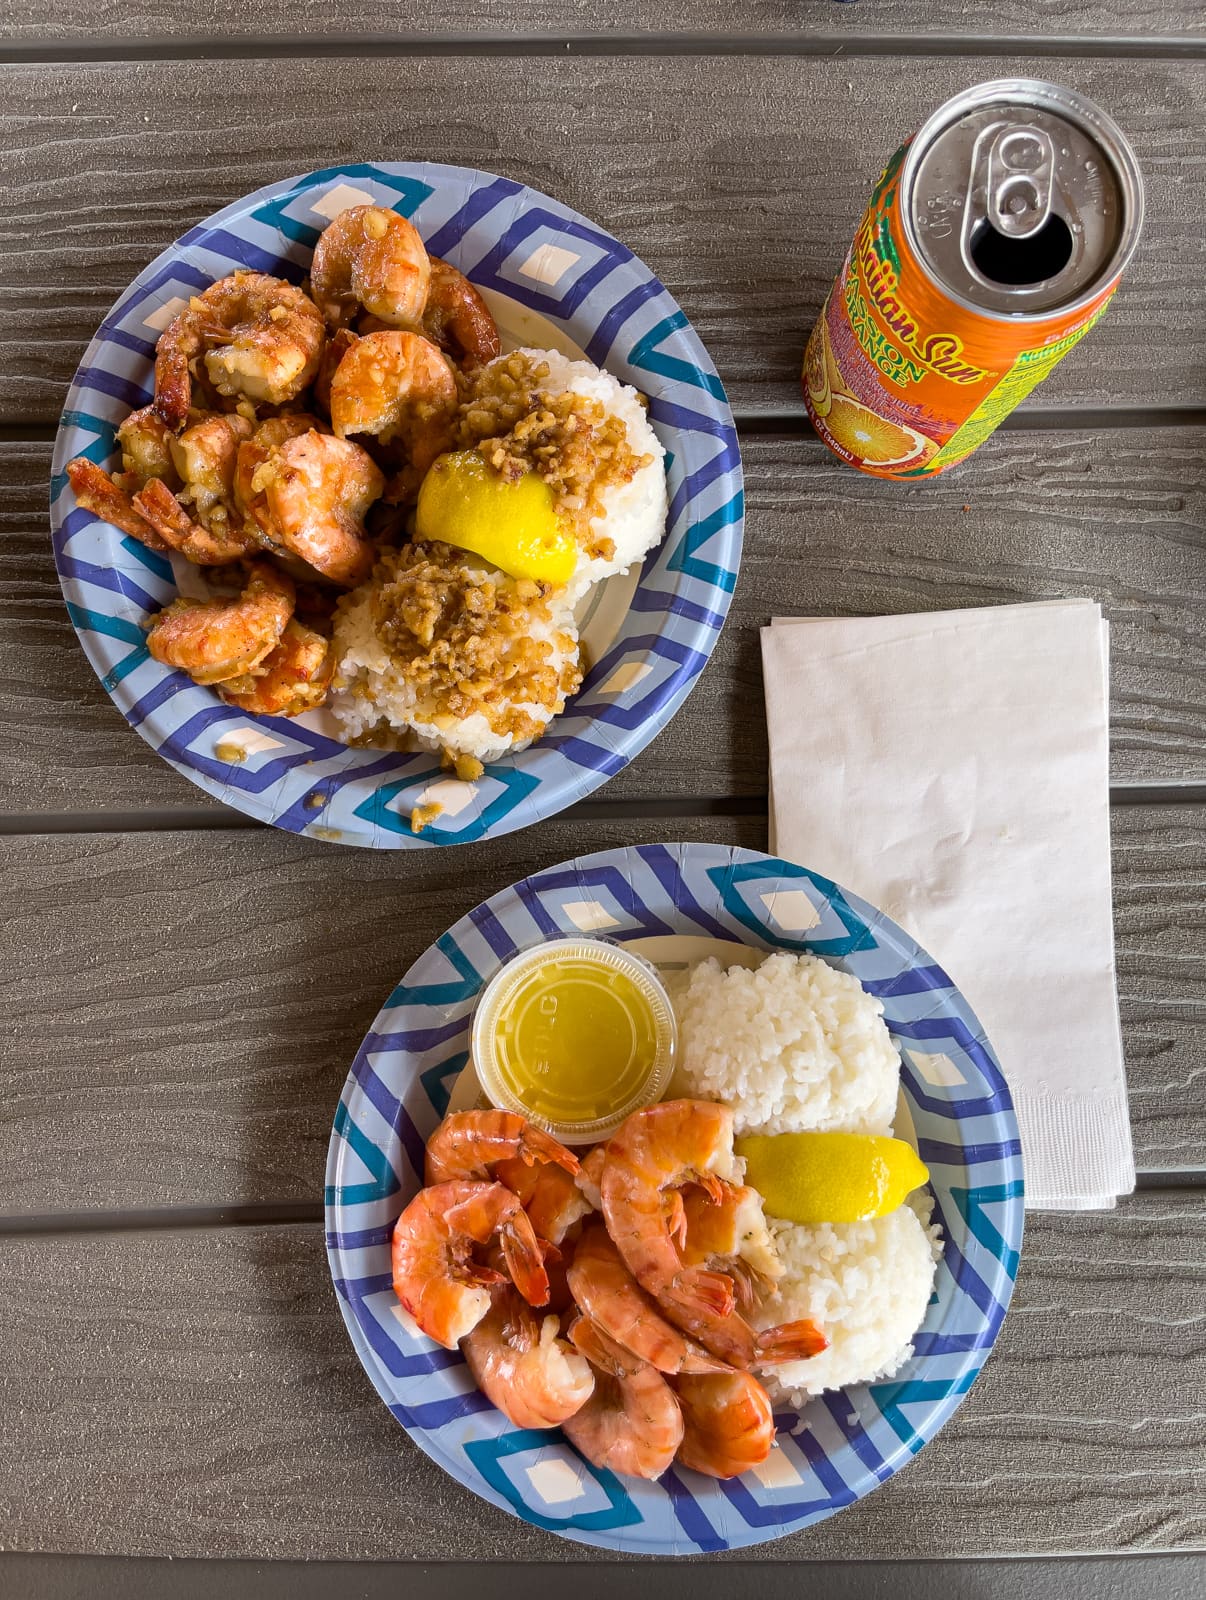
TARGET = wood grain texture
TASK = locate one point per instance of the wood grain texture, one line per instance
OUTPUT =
(242, 1424)
(738, 180)
(28, 22)
(1120, 516)
(181, 1009)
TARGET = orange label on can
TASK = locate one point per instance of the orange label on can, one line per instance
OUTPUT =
(900, 380)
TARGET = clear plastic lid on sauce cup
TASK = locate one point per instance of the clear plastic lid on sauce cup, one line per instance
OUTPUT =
(575, 1034)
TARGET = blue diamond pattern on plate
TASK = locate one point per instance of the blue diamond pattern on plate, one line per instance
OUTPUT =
(842, 1445)
(548, 260)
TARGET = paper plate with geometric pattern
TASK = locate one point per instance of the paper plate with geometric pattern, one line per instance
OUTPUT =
(553, 279)
(841, 1445)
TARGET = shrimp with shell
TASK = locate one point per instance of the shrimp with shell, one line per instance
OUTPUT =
(257, 336)
(308, 496)
(606, 1292)
(199, 518)
(396, 386)
(729, 1233)
(520, 1362)
(436, 1273)
(373, 258)
(654, 1152)
(728, 1423)
(632, 1422)
(213, 640)
(96, 491)
(292, 678)
(457, 319)
(469, 1144)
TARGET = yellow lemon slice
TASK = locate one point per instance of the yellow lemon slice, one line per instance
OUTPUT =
(514, 526)
(830, 1177)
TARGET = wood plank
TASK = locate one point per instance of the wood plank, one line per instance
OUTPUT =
(69, 21)
(1120, 516)
(183, 1008)
(745, 215)
(196, 1394)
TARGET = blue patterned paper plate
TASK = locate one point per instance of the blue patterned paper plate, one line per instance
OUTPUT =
(552, 278)
(842, 1444)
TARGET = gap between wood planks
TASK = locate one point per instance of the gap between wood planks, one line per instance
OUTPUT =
(192, 819)
(794, 423)
(267, 47)
(259, 1214)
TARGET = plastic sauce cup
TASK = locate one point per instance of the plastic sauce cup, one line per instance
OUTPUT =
(575, 1034)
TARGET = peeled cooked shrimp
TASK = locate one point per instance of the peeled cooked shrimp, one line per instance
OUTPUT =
(606, 1291)
(371, 257)
(293, 678)
(435, 1274)
(728, 1423)
(260, 337)
(632, 1422)
(213, 640)
(468, 1144)
(457, 318)
(396, 386)
(518, 1361)
(309, 495)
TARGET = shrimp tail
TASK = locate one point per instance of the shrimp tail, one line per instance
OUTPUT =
(676, 1218)
(790, 1341)
(700, 1292)
(536, 1145)
(525, 1259)
(95, 490)
(177, 530)
(600, 1349)
(173, 380)
(715, 1188)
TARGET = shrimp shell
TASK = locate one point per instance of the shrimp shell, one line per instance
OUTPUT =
(728, 1423)
(467, 1144)
(632, 1422)
(435, 1274)
(518, 1361)
(213, 640)
(372, 257)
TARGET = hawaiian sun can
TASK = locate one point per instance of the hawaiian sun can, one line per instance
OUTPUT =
(993, 243)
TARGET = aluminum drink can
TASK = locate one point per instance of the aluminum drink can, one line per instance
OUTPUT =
(992, 244)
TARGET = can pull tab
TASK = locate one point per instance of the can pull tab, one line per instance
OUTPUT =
(1019, 179)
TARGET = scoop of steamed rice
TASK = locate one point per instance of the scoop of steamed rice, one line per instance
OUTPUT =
(371, 693)
(867, 1284)
(794, 1045)
(636, 511)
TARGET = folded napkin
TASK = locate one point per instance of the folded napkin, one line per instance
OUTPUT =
(952, 769)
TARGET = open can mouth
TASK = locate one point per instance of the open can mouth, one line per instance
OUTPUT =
(1021, 199)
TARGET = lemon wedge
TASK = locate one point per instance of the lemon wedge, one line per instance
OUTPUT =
(513, 526)
(830, 1177)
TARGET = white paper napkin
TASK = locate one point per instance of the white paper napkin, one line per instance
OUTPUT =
(952, 768)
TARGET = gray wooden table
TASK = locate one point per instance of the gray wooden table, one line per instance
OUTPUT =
(183, 989)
